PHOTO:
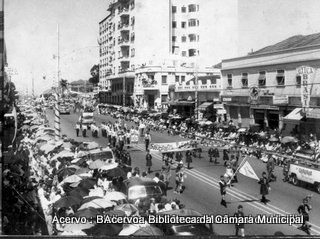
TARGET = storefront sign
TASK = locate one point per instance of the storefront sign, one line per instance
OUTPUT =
(313, 113)
(280, 100)
(227, 99)
(216, 99)
(305, 72)
(221, 111)
(218, 106)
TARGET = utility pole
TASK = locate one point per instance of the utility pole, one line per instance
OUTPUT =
(56, 108)
(196, 111)
(124, 91)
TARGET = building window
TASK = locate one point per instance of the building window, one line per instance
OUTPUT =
(229, 78)
(183, 53)
(183, 24)
(192, 52)
(244, 80)
(262, 79)
(298, 80)
(164, 80)
(174, 9)
(132, 20)
(177, 79)
(183, 9)
(174, 24)
(280, 78)
(192, 37)
(193, 22)
(174, 38)
(183, 39)
(193, 8)
(183, 79)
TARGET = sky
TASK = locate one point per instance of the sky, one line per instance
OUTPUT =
(31, 33)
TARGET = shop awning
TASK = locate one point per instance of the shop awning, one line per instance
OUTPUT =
(294, 115)
(186, 103)
(205, 105)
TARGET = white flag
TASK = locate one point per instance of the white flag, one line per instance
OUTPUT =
(248, 171)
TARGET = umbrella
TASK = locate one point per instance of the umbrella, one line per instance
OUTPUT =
(66, 171)
(63, 154)
(242, 130)
(72, 179)
(116, 172)
(91, 145)
(273, 139)
(116, 213)
(128, 208)
(86, 183)
(46, 148)
(109, 166)
(89, 198)
(96, 164)
(67, 145)
(288, 139)
(129, 229)
(104, 230)
(149, 231)
(96, 192)
(208, 122)
(79, 161)
(81, 171)
(115, 196)
(70, 227)
(88, 213)
(97, 203)
(78, 192)
(67, 201)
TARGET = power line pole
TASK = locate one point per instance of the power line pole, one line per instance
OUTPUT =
(56, 108)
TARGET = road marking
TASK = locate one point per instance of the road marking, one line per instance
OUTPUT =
(236, 193)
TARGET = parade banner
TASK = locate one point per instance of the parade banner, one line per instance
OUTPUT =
(248, 171)
(173, 147)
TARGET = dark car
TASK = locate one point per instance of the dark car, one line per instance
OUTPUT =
(138, 188)
(196, 229)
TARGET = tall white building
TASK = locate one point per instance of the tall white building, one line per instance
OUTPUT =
(156, 33)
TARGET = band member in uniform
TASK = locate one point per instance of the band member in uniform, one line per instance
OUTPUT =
(304, 210)
(264, 187)
(84, 130)
(239, 226)
(149, 161)
(188, 158)
(77, 128)
(147, 139)
(223, 190)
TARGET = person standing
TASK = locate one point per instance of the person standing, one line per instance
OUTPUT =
(216, 154)
(188, 158)
(149, 161)
(147, 140)
(225, 157)
(77, 128)
(166, 172)
(304, 210)
(121, 140)
(239, 226)
(179, 179)
(84, 130)
(223, 190)
(264, 187)
(270, 168)
(210, 154)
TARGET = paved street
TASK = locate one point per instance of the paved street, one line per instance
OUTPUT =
(202, 185)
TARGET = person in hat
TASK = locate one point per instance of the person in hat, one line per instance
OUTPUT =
(188, 158)
(210, 154)
(147, 140)
(264, 187)
(304, 210)
(84, 130)
(77, 128)
(223, 190)
(149, 161)
(216, 154)
(121, 140)
(239, 226)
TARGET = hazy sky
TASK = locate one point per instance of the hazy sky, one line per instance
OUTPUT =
(31, 34)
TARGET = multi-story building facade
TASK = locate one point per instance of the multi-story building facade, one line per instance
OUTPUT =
(266, 88)
(142, 34)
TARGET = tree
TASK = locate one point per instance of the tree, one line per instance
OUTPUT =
(94, 71)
